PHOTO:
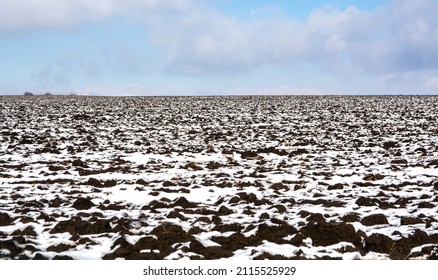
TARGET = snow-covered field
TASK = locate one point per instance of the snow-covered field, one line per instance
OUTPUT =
(219, 177)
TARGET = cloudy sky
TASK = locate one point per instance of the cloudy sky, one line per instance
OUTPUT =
(185, 47)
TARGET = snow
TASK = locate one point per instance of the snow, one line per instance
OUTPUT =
(318, 145)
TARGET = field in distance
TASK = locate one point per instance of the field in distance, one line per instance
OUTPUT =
(252, 177)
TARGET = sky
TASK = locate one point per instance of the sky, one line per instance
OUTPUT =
(206, 47)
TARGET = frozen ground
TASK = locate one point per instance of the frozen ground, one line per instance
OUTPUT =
(218, 177)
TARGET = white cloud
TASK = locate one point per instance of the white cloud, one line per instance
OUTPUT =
(397, 39)
(335, 43)
(31, 14)
(203, 40)
(194, 38)
(432, 82)
(395, 43)
(63, 71)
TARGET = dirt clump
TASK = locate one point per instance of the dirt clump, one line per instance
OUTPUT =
(337, 186)
(249, 155)
(228, 227)
(279, 186)
(176, 215)
(410, 221)
(351, 217)
(157, 245)
(274, 233)
(183, 202)
(378, 243)
(5, 220)
(83, 203)
(60, 247)
(11, 246)
(76, 225)
(62, 257)
(236, 241)
(374, 219)
(224, 211)
(169, 234)
(100, 184)
(268, 256)
(123, 249)
(325, 234)
(425, 204)
(29, 231)
(208, 253)
(403, 246)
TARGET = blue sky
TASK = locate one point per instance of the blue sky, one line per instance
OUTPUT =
(185, 47)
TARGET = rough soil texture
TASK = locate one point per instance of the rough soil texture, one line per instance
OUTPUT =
(302, 177)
